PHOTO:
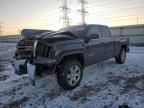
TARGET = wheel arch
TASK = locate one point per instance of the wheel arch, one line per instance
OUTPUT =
(77, 56)
(124, 46)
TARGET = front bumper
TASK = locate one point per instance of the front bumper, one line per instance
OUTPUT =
(24, 66)
(20, 66)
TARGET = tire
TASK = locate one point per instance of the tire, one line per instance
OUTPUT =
(120, 59)
(69, 74)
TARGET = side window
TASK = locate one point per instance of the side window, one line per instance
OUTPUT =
(105, 32)
(94, 30)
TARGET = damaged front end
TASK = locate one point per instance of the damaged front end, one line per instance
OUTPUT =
(24, 67)
(29, 55)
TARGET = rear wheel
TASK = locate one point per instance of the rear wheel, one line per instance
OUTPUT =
(70, 74)
(120, 59)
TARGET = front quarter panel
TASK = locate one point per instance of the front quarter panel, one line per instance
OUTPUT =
(68, 48)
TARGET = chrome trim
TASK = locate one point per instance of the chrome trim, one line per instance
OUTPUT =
(31, 72)
(34, 49)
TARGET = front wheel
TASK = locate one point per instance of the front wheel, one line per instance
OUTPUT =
(120, 59)
(70, 74)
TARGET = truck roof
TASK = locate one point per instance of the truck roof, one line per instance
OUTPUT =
(86, 25)
(78, 30)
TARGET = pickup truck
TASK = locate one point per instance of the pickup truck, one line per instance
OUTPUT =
(67, 52)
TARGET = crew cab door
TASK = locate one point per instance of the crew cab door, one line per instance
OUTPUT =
(95, 48)
(108, 41)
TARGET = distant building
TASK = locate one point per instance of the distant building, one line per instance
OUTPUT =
(134, 32)
(10, 38)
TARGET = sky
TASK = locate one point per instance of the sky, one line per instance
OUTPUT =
(45, 14)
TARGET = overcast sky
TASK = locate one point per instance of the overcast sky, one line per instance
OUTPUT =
(45, 14)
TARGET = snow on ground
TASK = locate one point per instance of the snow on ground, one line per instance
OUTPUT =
(104, 85)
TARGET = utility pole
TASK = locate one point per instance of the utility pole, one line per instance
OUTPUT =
(137, 20)
(65, 10)
(0, 29)
(83, 11)
(19, 31)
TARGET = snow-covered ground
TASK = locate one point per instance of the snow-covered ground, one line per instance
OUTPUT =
(104, 85)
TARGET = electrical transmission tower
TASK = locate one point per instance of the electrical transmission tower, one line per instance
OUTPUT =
(65, 10)
(83, 11)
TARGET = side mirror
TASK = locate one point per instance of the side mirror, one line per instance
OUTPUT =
(91, 36)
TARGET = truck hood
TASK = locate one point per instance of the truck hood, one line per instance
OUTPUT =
(48, 40)
(58, 38)
(35, 33)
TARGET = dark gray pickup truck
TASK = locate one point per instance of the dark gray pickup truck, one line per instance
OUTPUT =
(67, 51)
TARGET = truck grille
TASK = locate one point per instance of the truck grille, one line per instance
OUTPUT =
(43, 50)
(25, 48)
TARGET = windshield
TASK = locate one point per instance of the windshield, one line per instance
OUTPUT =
(78, 31)
(72, 31)
(59, 34)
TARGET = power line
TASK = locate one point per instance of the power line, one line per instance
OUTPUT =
(83, 11)
(65, 10)
(118, 16)
(114, 4)
(101, 10)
